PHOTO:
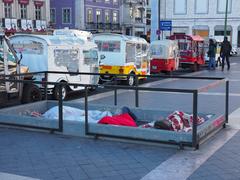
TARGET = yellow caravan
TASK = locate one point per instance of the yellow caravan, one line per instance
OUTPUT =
(120, 54)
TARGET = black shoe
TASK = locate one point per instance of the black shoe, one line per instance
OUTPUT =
(222, 69)
(228, 69)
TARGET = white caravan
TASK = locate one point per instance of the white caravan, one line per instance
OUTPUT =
(59, 53)
(120, 54)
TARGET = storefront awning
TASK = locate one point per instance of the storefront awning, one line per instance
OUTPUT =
(7, 1)
(23, 1)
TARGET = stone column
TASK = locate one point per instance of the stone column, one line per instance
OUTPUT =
(234, 35)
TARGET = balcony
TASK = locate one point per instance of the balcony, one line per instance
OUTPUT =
(109, 27)
(10, 25)
(138, 20)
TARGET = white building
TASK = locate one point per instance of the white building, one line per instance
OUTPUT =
(133, 18)
(202, 17)
(24, 15)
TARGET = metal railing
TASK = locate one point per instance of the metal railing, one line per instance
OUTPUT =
(195, 140)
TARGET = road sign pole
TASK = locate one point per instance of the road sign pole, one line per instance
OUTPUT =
(225, 23)
(159, 5)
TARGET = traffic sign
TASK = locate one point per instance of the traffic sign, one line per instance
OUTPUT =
(166, 25)
(158, 32)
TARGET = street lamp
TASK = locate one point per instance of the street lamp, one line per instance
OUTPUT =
(159, 6)
(225, 24)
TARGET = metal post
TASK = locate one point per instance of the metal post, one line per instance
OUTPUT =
(115, 92)
(195, 115)
(159, 13)
(86, 111)
(45, 85)
(60, 108)
(225, 23)
(227, 102)
(136, 91)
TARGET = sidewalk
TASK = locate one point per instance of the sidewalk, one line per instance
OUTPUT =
(218, 158)
(35, 155)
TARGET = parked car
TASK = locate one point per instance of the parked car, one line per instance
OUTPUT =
(234, 51)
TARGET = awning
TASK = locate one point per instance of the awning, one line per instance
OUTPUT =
(23, 1)
(38, 3)
(7, 1)
(196, 38)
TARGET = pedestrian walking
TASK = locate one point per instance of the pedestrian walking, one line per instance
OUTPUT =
(212, 55)
(225, 52)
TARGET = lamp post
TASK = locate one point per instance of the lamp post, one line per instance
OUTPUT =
(159, 12)
(225, 23)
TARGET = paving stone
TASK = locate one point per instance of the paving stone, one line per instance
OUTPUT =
(49, 156)
(224, 164)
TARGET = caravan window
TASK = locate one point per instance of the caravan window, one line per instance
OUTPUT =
(144, 48)
(156, 50)
(138, 48)
(108, 46)
(130, 52)
(90, 57)
(31, 47)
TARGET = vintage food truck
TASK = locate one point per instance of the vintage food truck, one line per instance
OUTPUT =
(164, 56)
(120, 54)
(65, 53)
(191, 50)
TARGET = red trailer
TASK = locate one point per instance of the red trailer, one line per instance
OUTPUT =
(164, 56)
(191, 50)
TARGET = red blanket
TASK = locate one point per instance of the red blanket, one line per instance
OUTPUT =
(121, 120)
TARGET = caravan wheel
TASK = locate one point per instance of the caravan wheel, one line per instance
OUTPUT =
(131, 80)
(31, 93)
(65, 91)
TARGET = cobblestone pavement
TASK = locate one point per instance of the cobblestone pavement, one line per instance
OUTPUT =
(48, 156)
(223, 165)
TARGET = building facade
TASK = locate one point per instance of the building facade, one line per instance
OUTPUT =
(200, 17)
(134, 17)
(148, 19)
(62, 13)
(102, 15)
(24, 15)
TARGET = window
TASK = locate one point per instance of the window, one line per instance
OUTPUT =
(130, 52)
(91, 56)
(66, 15)
(8, 10)
(38, 13)
(23, 11)
(221, 33)
(98, 16)
(107, 17)
(180, 6)
(221, 6)
(201, 6)
(115, 2)
(89, 15)
(108, 46)
(107, 1)
(115, 17)
(53, 15)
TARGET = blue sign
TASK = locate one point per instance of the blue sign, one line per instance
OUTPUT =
(166, 25)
